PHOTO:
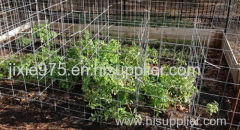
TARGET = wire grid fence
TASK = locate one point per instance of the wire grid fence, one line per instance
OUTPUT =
(107, 19)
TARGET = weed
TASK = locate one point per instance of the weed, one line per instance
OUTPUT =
(212, 108)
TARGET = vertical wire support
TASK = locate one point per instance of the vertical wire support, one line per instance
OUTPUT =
(228, 16)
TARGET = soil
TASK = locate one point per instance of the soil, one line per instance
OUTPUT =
(4, 53)
(223, 91)
(16, 116)
(15, 113)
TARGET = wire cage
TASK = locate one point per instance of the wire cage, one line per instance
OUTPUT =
(154, 33)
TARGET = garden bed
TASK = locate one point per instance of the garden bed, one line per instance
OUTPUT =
(88, 89)
(73, 99)
(43, 114)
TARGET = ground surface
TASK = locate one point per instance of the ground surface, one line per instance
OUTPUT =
(18, 113)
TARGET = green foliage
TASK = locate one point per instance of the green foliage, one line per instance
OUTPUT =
(4, 67)
(24, 41)
(118, 92)
(212, 108)
(43, 32)
(110, 94)
(113, 91)
(167, 90)
(181, 54)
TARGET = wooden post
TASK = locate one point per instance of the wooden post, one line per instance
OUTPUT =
(228, 15)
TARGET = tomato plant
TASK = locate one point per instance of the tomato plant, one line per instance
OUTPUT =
(24, 40)
(46, 35)
(109, 94)
(113, 93)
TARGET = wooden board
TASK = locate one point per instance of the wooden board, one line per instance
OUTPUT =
(14, 32)
(172, 33)
(231, 60)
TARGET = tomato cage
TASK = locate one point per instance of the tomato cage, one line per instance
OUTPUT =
(112, 63)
